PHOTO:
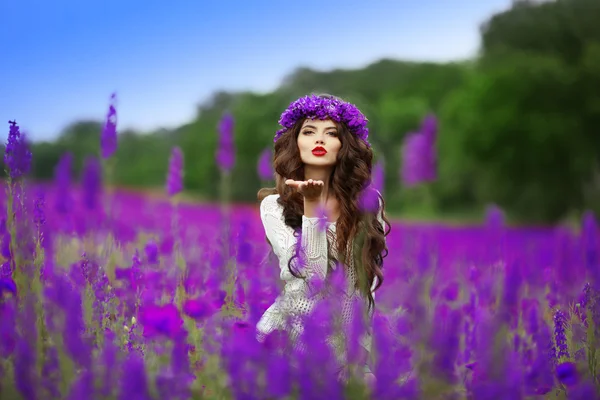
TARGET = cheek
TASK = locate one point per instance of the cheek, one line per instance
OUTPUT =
(303, 145)
(337, 147)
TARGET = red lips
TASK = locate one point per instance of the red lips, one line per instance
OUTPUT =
(319, 151)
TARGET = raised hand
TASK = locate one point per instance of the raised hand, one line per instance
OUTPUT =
(310, 189)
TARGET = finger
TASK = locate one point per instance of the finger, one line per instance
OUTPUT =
(292, 183)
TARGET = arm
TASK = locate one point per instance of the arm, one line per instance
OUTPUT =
(284, 243)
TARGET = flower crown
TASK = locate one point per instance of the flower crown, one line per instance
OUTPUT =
(324, 107)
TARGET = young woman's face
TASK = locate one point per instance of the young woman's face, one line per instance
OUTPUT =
(319, 143)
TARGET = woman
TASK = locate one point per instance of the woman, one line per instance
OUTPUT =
(323, 210)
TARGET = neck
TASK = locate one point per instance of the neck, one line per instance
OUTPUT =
(319, 174)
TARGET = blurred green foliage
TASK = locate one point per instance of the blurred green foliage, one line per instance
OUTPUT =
(518, 125)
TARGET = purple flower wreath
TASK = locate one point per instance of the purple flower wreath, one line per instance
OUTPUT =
(324, 107)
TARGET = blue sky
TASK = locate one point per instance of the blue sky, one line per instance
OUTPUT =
(60, 60)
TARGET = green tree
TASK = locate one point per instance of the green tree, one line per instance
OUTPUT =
(520, 132)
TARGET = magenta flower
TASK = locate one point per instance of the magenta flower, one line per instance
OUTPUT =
(17, 156)
(175, 174)
(494, 218)
(108, 140)
(413, 150)
(265, 166)
(92, 182)
(560, 322)
(39, 216)
(62, 177)
(566, 373)
(151, 250)
(161, 320)
(317, 107)
(419, 157)
(7, 285)
(200, 309)
(226, 145)
(369, 200)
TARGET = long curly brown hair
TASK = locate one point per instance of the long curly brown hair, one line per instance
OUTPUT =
(359, 232)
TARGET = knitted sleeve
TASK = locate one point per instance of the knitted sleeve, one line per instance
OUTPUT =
(310, 250)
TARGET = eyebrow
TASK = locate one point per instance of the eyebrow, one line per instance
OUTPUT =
(314, 127)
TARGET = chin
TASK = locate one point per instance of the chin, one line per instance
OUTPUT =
(321, 164)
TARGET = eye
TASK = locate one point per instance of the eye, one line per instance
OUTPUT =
(307, 132)
(332, 133)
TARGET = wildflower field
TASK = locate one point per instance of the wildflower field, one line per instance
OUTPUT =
(108, 294)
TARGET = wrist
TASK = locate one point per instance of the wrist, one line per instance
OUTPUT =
(312, 201)
(312, 207)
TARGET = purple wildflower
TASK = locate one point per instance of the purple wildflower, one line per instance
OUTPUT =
(451, 291)
(17, 156)
(39, 217)
(7, 285)
(510, 296)
(590, 247)
(92, 182)
(356, 329)
(76, 341)
(24, 364)
(584, 391)
(369, 200)
(175, 174)
(82, 386)
(429, 126)
(244, 245)
(324, 107)
(560, 322)
(51, 369)
(151, 250)
(539, 377)
(134, 384)
(494, 218)
(419, 158)
(199, 309)
(62, 176)
(8, 331)
(278, 373)
(566, 373)
(161, 320)
(226, 146)
(109, 358)
(108, 140)
(446, 340)
(412, 151)
(265, 167)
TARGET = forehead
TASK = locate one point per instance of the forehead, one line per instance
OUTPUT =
(319, 124)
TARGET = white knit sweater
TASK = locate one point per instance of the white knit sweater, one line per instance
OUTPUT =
(295, 299)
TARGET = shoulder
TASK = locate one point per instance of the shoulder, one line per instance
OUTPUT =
(269, 204)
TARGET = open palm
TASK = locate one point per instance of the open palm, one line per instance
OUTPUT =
(310, 189)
